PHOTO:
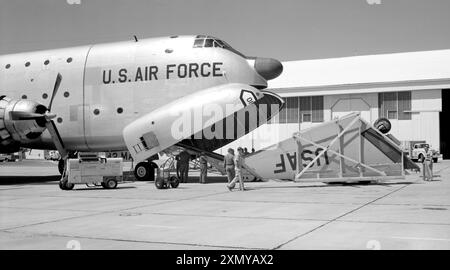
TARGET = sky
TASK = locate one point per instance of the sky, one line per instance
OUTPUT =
(282, 29)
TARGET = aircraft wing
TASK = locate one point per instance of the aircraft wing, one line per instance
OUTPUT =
(198, 116)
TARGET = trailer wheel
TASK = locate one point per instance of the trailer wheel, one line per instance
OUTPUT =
(61, 166)
(174, 181)
(159, 183)
(70, 186)
(64, 185)
(110, 184)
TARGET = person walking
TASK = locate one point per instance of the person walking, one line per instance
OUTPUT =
(203, 159)
(228, 164)
(238, 163)
(428, 165)
(183, 165)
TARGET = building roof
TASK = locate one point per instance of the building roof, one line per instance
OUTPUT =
(394, 72)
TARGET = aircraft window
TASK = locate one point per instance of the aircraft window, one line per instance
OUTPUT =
(44, 96)
(24, 96)
(198, 43)
(69, 59)
(96, 111)
(173, 36)
(202, 41)
(66, 94)
(27, 64)
(168, 50)
(46, 62)
(218, 43)
(59, 120)
(8, 66)
(209, 43)
(119, 110)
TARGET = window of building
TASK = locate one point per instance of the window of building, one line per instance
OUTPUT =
(302, 109)
(395, 105)
(291, 110)
(317, 109)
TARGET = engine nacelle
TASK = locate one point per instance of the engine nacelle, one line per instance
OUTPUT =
(14, 132)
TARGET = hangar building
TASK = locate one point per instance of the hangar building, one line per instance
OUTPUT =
(407, 88)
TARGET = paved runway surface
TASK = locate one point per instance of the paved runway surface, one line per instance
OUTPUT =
(403, 214)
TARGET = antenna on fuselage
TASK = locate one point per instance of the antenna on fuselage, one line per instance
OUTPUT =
(135, 38)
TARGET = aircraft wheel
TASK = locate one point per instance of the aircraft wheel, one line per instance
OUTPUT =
(61, 166)
(144, 171)
(174, 182)
(110, 184)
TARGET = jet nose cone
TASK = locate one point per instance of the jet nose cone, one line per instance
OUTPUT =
(268, 68)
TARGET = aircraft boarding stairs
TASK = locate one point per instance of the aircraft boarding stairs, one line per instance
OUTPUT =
(347, 149)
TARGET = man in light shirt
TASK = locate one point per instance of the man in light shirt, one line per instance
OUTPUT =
(428, 165)
(239, 162)
(228, 163)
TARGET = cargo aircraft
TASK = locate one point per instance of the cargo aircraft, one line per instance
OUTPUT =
(133, 95)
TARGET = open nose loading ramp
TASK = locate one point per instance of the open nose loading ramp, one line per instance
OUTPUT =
(347, 149)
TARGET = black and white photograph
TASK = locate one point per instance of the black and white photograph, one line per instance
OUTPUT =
(202, 126)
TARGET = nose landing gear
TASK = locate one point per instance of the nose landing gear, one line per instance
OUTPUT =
(145, 171)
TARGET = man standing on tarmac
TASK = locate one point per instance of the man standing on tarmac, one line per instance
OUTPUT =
(203, 167)
(183, 165)
(428, 165)
(228, 164)
(239, 162)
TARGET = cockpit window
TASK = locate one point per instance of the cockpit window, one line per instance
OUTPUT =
(199, 43)
(209, 42)
(202, 41)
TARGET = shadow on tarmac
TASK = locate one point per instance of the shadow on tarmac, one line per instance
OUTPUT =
(333, 185)
(99, 188)
(12, 180)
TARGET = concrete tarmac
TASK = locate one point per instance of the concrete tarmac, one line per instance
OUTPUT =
(404, 214)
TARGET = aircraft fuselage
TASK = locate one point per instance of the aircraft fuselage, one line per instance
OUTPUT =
(105, 87)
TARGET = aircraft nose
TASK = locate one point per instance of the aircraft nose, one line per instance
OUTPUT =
(268, 68)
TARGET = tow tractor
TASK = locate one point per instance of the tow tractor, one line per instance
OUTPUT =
(93, 170)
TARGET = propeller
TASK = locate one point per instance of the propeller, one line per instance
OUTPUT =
(18, 115)
(55, 90)
(47, 116)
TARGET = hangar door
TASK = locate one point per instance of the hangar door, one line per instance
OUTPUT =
(348, 105)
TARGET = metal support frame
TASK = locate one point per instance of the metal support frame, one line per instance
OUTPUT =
(359, 163)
